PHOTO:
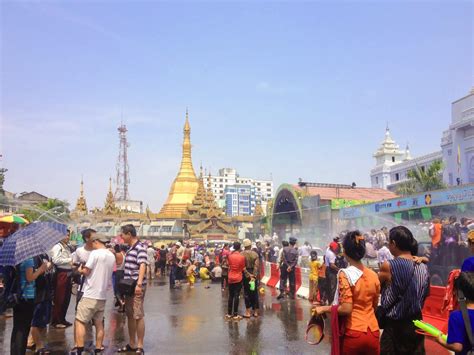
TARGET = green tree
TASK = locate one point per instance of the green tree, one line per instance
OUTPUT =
(53, 209)
(420, 180)
(3, 198)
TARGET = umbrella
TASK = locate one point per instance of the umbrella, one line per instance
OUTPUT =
(35, 239)
(14, 219)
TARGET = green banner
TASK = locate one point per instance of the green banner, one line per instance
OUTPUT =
(338, 203)
(426, 213)
(398, 217)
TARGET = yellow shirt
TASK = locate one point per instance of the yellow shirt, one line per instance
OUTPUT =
(204, 273)
(314, 270)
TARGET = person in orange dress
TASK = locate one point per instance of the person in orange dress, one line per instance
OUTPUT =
(357, 298)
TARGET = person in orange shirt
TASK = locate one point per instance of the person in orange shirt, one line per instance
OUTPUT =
(357, 296)
(436, 229)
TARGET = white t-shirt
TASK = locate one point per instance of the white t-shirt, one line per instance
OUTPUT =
(304, 250)
(101, 263)
(217, 271)
(329, 257)
(81, 255)
(150, 252)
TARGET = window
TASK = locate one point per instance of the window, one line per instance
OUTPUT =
(450, 152)
(393, 159)
(269, 184)
(397, 177)
(451, 180)
(376, 179)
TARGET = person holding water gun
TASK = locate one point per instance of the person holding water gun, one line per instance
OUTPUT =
(460, 325)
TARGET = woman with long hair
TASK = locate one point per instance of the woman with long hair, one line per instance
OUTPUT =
(355, 301)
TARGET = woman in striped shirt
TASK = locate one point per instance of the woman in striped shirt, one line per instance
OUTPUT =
(405, 288)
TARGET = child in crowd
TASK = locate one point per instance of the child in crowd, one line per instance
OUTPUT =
(225, 272)
(191, 273)
(458, 338)
(314, 266)
(322, 286)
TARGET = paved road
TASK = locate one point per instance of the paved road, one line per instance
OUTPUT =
(190, 321)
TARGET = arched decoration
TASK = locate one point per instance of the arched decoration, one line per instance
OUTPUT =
(287, 209)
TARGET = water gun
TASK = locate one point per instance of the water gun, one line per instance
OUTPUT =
(429, 329)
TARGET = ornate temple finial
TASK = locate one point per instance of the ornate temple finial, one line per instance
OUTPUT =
(82, 185)
(200, 171)
(109, 207)
(187, 127)
(81, 204)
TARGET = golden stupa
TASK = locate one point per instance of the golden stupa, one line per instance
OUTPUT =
(81, 205)
(109, 207)
(185, 185)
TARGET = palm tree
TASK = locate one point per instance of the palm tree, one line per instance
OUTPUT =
(420, 180)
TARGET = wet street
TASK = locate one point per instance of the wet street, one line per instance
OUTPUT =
(191, 321)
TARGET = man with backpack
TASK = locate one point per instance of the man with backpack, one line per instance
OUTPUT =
(43, 305)
(23, 288)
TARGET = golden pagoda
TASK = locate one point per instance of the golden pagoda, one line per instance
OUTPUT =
(81, 205)
(109, 208)
(185, 185)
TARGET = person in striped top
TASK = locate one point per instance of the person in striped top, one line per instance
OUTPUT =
(136, 262)
(405, 287)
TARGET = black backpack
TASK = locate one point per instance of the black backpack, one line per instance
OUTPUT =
(13, 293)
(44, 290)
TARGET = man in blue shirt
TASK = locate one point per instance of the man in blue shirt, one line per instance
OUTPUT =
(23, 311)
(458, 340)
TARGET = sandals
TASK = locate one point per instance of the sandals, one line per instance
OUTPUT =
(59, 326)
(228, 317)
(126, 349)
(140, 351)
(31, 347)
(237, 317)
(77, 350)
(42, 351)
(99, 351)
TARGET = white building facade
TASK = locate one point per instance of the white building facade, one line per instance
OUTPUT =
(229, 177)
(457, 143)
(457, 152)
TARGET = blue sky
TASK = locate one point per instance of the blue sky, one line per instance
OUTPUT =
(281, 89)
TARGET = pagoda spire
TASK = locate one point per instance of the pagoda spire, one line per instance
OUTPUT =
(109, 207)
(185, 184)
(81, 205)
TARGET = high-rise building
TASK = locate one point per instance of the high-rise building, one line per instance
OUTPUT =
(229, 177)
(240, 200)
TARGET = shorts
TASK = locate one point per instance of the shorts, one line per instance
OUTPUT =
(42, 314)
(134, 305)
(90, 309)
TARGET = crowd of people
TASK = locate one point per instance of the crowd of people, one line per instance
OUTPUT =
(341, 285)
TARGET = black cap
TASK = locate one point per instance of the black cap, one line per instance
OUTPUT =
(293, 240)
